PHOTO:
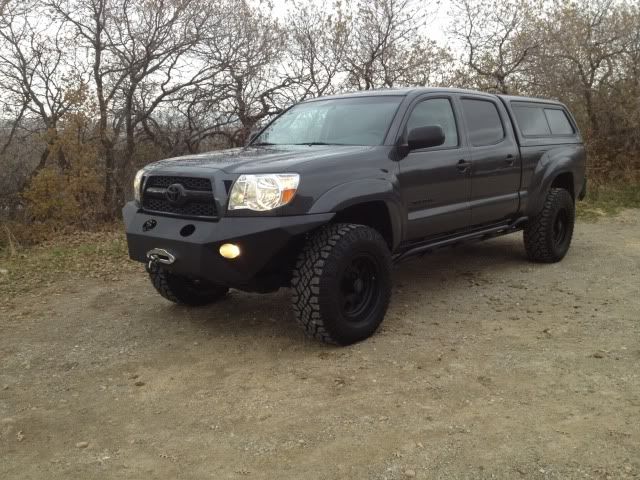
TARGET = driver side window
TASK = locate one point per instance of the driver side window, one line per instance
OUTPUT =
(435, 111)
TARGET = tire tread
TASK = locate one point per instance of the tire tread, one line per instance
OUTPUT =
(312, 264)
(537, 232)
(170, 287)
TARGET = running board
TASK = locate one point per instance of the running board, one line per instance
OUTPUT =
(482, 234)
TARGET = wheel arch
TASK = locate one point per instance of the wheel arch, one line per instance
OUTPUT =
(374, 203)
(555, 169)
(564, 180)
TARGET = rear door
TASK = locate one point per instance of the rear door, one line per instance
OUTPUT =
(435, 182)
(495, 159)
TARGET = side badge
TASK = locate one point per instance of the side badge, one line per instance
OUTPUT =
(149, 225)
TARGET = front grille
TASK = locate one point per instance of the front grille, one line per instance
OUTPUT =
(190, 183)
(191, 209)
(197, 204)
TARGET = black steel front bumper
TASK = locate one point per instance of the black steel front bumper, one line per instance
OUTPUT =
(259, 239)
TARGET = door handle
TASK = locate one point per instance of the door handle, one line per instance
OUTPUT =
(463, 165)
(510, 160)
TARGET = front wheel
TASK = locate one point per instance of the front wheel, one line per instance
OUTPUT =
(547, 236)
(185, 290)
(342, 283)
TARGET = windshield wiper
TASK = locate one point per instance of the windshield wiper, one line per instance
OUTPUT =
(317, 143)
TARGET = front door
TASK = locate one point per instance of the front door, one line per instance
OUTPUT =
(435, 182)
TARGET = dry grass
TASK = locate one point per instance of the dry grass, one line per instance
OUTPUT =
(80, 255)
(608, 199)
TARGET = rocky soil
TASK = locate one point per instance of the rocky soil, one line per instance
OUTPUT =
(486, 367)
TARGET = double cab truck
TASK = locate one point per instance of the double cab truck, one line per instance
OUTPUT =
(335, 190)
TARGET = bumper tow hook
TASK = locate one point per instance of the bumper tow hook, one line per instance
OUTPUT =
(159, 255)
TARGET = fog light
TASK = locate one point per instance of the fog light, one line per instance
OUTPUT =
(229, 250)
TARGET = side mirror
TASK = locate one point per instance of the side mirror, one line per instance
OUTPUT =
(425, 137)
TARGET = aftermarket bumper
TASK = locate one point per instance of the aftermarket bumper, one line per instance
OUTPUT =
(197, 254)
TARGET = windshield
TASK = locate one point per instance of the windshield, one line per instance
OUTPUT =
(339, 121)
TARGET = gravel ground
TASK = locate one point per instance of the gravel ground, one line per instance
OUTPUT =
(486, 367)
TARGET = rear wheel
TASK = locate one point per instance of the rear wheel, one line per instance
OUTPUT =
(547, 236)
(342, 283)
(185, 290)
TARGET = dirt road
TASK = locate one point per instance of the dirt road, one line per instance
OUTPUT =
(486, 367)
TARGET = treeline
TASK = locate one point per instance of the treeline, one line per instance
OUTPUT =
(90, 90)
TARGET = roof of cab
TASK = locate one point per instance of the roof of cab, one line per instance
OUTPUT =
(420, 90)
(516, 98)
(400, 92)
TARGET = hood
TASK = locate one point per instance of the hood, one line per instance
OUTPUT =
(271, 159)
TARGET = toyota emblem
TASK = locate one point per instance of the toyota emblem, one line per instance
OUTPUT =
(175, 194)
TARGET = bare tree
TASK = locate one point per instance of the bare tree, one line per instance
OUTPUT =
(386, 46)
(188, 123)
(316, 47)
(255, 81)
(582, 43)
(152, 41)
(497, 40)
(92, 21)
(38, 74)
(141, 54)
(3, 6)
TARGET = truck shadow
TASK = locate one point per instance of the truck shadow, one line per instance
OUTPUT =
(470, 259)
(257, 316)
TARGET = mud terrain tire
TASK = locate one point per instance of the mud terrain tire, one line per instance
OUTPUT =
(341, 284)
(183, 290)
(547, 236)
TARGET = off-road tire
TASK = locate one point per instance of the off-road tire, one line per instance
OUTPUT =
(543, 240)
(183, 290)
(318, 283)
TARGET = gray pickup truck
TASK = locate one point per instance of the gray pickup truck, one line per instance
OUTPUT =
(328, 195)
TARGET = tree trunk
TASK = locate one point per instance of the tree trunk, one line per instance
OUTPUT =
(109, 197)
(593, 118)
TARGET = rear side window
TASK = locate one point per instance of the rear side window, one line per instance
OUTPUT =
(531, 121)
(483, 122)
(436, 111)
(558, 122)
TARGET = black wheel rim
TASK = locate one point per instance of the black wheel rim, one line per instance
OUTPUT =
(359, 287)
(560, 227)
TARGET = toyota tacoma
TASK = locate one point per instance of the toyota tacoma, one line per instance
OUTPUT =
(333, 191)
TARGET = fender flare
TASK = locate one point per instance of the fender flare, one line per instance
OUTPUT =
(357, 192)
(548, 169)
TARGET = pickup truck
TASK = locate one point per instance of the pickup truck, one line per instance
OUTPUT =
(333, 191)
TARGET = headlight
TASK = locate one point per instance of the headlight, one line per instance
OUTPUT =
(263, 192)
(137, 185)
